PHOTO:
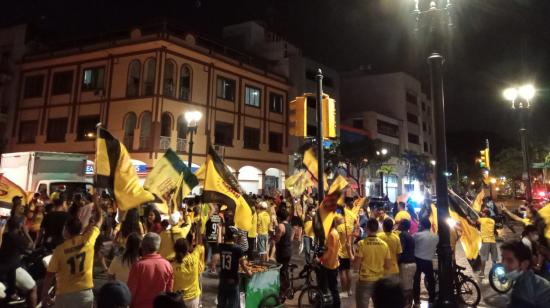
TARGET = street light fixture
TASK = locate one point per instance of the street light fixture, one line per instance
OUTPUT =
(192, 118)
(520, 98)
(382, 152)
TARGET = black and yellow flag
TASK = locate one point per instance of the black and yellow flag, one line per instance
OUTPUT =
(311, 163)
(115, 172)
(221, 186)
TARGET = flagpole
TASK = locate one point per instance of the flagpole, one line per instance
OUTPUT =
(97, 130)
(319, 137)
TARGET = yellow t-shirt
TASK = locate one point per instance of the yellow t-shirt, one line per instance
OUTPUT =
(37, 222)
(487, 228)
(168, 238)
(394, 245)
(254, 230)
(343, 235)
(330, 257)
(263, 222)
(373, 253)
(526, 221)
(186, 274)
(402, 215)
(308, 228)
(73, 263)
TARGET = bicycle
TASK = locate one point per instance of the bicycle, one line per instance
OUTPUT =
(498, 280)
(465, 288)
(306, 274)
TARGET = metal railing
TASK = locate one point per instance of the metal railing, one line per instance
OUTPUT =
(165, 142)
(181, 144)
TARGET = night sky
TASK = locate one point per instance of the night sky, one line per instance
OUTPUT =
(495, 43)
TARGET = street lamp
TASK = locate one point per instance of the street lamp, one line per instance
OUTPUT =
(521, 97)
(382, 152)
(434, 19)
(192, 118)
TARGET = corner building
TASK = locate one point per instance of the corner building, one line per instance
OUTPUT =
(139, 86)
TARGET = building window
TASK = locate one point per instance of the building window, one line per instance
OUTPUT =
(129, 127)
(251, 138)
(423, 106)
(62, 82)
(93, 78)
(414, 139)
(357, 123)
(86, 127)
(411, 98)
(387, 129)
(226, 89)
(33, 86)
(275, 142)
(412, 118)
(166, 125)
(252, 96)
(134, 76)
(424, 127)
(275, 103)
(57, 128)
(28, 131)
(185, 83)
(223, 134)
(169, 81)
(149, 77)
(425, 147)
(145, 131)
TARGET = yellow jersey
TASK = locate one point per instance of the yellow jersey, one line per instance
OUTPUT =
(186, 274)
(254, 230)
(487, 229)
(394, 245)
(402, 215)
(169, 237)
(343, 236)
(330, 257)
(373, 253)
(73, 262)
(264, 219)
(308, 228)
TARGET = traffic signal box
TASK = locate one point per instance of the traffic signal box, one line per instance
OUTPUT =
(484, 161)
(298, 116)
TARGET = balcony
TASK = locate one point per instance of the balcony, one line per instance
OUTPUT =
(145, 143)
(181, 144)
(165, 142)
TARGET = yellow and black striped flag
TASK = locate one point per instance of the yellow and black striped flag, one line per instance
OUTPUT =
(221, 186)
(115, 172)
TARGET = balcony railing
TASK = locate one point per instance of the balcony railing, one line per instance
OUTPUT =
(165, 142)
(181, 144)
(144, 143)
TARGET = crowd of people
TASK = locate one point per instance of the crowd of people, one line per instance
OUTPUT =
(157, 260)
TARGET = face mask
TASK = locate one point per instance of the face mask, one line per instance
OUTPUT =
(513, 275)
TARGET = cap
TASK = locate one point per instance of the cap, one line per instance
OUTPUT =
(175, 218)
(263, 205)
(114, 294)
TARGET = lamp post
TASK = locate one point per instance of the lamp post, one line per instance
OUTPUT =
(192, 118)
(383, 152)
(433, 19)
(520, 98)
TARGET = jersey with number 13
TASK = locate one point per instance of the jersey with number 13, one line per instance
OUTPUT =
(73, 262)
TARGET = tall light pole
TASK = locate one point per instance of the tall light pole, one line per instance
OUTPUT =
(383, 152)
(521, 97)
(435, 18)
(192, 118)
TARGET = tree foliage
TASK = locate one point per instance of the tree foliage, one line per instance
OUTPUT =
(418, 166)
(508, 163)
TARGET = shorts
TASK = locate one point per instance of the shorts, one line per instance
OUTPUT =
(406, 275)
(296, 221)
(214, 247)
(487, 248)
(23, 280)
(262, 244)
(81, 299)
(344, 264)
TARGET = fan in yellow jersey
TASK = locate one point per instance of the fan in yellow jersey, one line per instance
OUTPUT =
(169, 237)
(402, 214)
(72, 264)
(394, 245)
(345, 254)
(372, 258)
(264, 219)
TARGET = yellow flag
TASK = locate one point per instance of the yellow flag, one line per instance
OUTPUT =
(311, 163)
(478, 201)
(8, 190)
(339, 184)
(357, 204)
(114, 171)
(201, 172)
(544, 222)
(297, 183)
(221, 186)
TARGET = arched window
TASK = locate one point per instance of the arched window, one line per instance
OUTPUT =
(129, 127)
(169, 80)
(134, 73)
(166, 125)
(145, 131)
(185, 83)
(149, 77)
(182, 134)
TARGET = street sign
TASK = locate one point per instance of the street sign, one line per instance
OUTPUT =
(540, 165)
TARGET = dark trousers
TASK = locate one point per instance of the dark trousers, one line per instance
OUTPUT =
(228, 294)
(328, 281)
(284, 275)
(251, 253)
(424, 267)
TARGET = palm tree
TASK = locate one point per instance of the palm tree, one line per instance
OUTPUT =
(385, 170)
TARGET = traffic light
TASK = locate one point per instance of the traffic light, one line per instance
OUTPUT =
(329, 117)
(297, 117)
(484, 159)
